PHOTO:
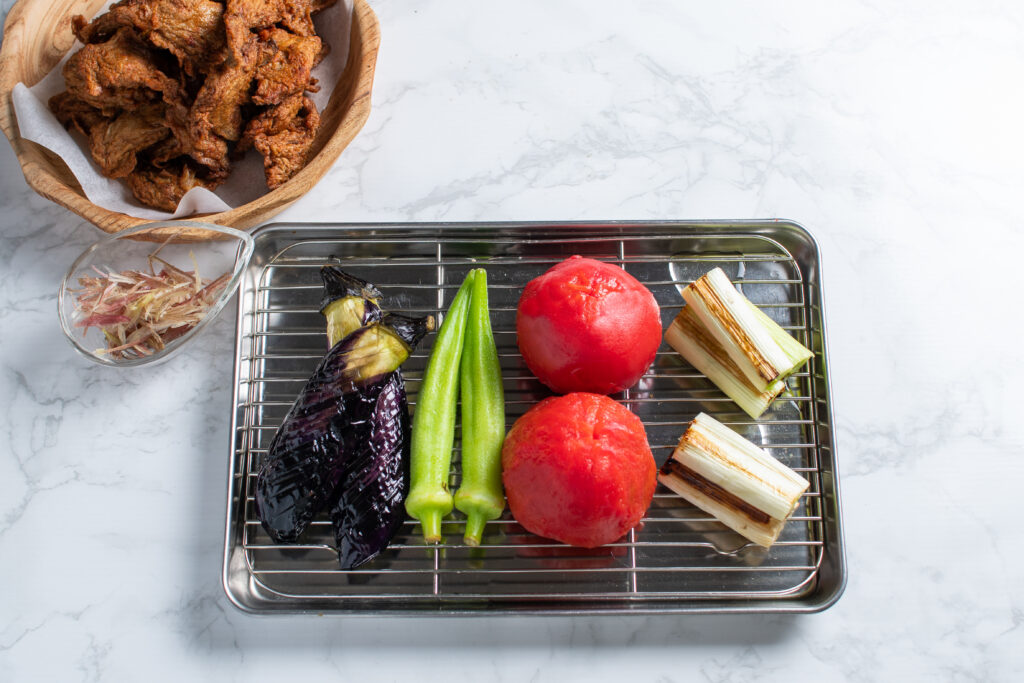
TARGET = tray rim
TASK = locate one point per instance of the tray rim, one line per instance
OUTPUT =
(455, 606)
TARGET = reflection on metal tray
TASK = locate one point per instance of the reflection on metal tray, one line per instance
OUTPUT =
(681, 560)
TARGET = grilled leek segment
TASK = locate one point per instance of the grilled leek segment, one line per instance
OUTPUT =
(733, 480)
(744, 352)
(688, 336)
(762, 350)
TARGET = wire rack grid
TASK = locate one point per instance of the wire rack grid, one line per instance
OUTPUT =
(679, 559)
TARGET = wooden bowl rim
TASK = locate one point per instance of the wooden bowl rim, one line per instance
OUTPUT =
(364, 43)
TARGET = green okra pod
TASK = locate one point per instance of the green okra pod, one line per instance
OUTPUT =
(433, 422)
(480, 496)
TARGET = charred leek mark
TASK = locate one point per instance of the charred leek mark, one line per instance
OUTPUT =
(733, 480)
(743, 351)
(433, 426)
(691, 339)
(480, 496)
(762, 350)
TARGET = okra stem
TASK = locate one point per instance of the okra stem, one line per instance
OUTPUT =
(433, 422)
(481, 497)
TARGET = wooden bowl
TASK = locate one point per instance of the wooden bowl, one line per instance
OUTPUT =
(36, 36)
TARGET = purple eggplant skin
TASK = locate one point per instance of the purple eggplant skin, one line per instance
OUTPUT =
(319, 442)
(369, 507)
(344, 443)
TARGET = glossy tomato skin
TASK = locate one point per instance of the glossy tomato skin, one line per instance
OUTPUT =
(578, 469)
(585, 325)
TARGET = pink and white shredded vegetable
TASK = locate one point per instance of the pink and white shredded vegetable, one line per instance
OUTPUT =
(140, 312)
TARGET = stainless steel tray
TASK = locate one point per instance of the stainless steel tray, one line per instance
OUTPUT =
(679, 561)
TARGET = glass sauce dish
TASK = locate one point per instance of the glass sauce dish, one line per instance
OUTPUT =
(157, 255)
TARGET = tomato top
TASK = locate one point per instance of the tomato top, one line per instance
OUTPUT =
(586, 325)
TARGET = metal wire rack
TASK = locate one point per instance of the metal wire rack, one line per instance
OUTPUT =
(680, 559)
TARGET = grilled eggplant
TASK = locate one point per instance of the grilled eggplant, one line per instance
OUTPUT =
(344, 443)
(368, 508)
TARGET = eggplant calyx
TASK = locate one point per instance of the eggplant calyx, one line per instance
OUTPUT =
(410, 330)
(338, 284)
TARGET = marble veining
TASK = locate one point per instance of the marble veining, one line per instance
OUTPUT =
(892, 131)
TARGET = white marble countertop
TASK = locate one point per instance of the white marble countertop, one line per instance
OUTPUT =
(893, 131)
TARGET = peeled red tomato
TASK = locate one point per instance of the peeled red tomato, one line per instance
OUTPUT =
(578, 469)
(585, 325)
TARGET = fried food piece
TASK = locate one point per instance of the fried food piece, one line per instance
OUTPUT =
(208, 150)
(164, 188)
(167, 90)
(118, 74)
(273, 120)
(164, 151)
(285, 153)
(283, 135)
(98, 30)
(115, 143)
(216, 115)
(218, 105)
(71, 111)
(241, 17)
(191, 30)
(285, 66)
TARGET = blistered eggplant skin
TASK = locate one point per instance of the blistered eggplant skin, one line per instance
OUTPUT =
(344, 443)
(369, 508)
(313, 450)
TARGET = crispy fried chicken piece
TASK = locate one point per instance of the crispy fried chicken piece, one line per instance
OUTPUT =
(216, 115)
(191, 30)
(283, 135)
(71, 111)
(98, 30)
(241, 17)
(273, 120)
(164, 188)
(218, 106)
(285, 65)
(162, 89)
(118, 74)
(208, 150)
(285, 153)
(115, 143)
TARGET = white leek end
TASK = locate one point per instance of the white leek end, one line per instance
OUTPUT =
(759, 347)
(728, 477)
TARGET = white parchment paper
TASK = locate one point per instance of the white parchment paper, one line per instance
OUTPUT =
(246, 182)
